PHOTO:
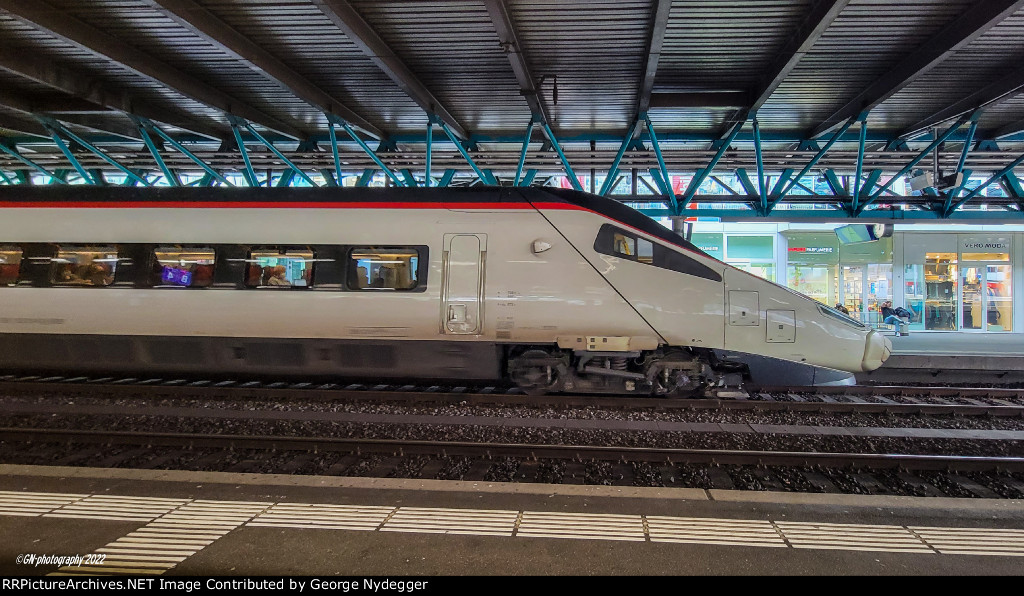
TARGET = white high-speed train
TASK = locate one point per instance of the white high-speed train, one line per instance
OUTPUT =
(551, 289)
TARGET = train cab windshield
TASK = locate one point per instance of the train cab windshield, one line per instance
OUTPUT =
(835, 314)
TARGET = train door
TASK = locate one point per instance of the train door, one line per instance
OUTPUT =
(462, 293)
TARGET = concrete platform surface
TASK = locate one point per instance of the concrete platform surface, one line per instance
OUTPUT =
(153, 523)
(952, 343)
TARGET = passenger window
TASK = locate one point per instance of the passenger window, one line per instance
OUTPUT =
(10, 265)
(84, 266)
(274, 269)
(373, 268)
(644, 251)
(624, 245)
(178, 267)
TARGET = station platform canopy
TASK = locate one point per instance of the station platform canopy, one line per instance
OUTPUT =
(781, 109)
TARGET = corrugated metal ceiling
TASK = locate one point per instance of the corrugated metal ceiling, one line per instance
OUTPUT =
(595, 51)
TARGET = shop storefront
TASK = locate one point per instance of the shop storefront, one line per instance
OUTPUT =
(959, 282)
(952, 281)
(865, 271)
(711, 243)
(812, 265)
(753, 254)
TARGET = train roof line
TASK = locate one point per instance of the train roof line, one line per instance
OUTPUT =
(484, 197)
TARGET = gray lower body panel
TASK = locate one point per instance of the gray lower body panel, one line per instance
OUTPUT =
(218, 356)
(773, 371)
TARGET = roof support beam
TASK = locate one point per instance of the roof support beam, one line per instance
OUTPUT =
(32, 107)
(951, 195)
(49, 104)
(522, 154)
(975, 21)
(659, 24)
(699, 177)
(352, 24)
(69, 155)
(13, 152)
(502, 21)
(194, 17)
(47, 72)
(762, 192)
(446, 178)
(16, 124)
(558, 149)
(984, 185)
(237, 122)
(334, 120)
(57, 129)
(484, 176)
(989, 95)
(725, 186)
(613, 171)
(334, 153)
(967, 146)
(673, 203)
(210, 172)
(427, 153)
(857, 190)
(810, 164)
(248, 172)
(1010, 129)
(169, 175)
(817, 20)
(924, 153)
(38, 13)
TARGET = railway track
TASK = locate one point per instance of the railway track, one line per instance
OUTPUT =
(849, 473)
(473, 435)
(899, 399)
(529, 451)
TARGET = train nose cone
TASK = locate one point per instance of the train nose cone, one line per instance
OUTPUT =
(876, 351)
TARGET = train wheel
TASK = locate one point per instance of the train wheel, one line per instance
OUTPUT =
(669, 381)
(538, 372)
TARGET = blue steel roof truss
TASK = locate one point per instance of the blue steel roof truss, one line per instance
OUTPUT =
(861, 193)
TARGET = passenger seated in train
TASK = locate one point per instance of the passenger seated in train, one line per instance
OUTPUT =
(91, 274)
(10, 265)
(275, 276)
(99, 274)
(254, 275)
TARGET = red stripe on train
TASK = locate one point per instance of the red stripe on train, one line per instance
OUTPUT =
(268, 205)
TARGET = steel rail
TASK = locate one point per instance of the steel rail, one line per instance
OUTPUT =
(401, 448)
(813, 403)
